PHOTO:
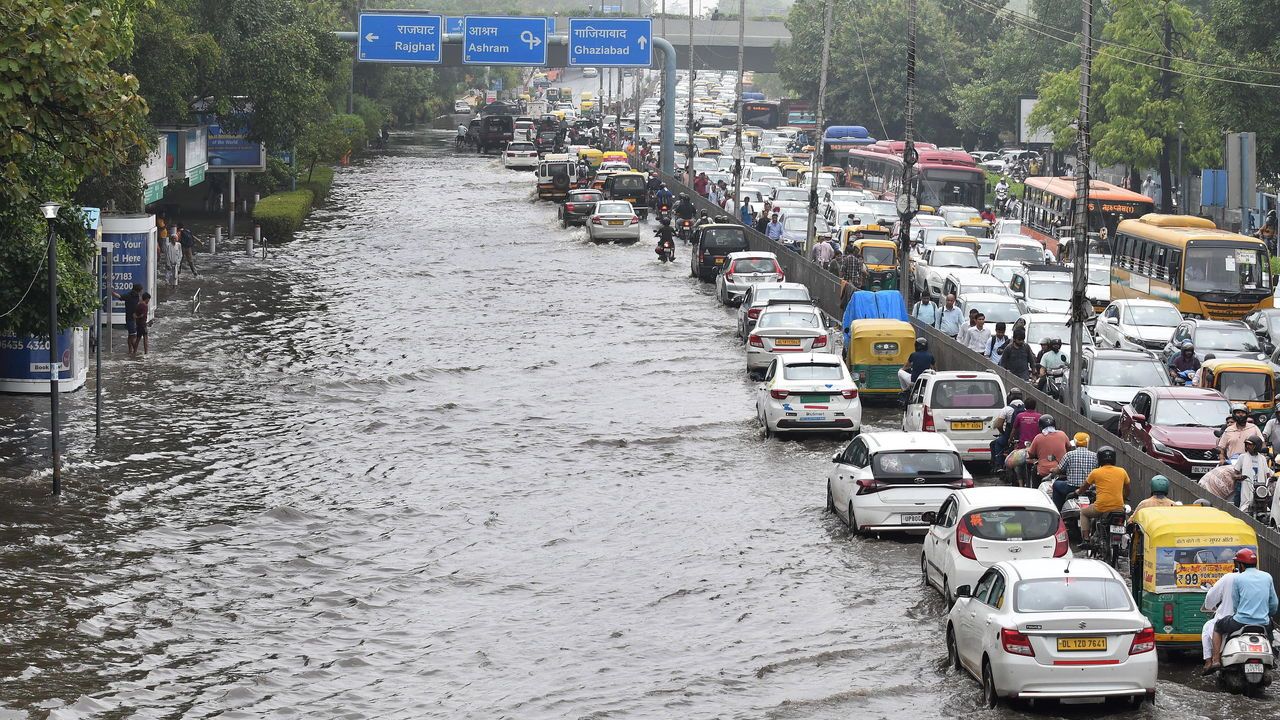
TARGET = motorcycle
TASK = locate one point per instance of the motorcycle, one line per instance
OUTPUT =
(664, 212)
(686, 230)
(1051, 383)
(1070, 512)
(1184, 377)
(1248, 659)
(666, 251)
(1109, 539)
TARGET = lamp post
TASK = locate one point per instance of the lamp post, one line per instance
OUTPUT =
(1182, 196)
(736, 154)
(50, 212)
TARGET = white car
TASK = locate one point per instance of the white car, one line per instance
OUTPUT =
(977, 528)
(938, 262)
(926, 237)
(744, 269)
(1043, 326)
(462, 106)
(1052, 629)
(808, 392)
(757, 298)
(1137, 324)
(889, 480)
(967, 283)
(956, 214)
(959, 404)
(522, 155)
(995, 307)
(1002, 270)
(787, 328)
(590, 72)
(1019, 249)
(614, 221)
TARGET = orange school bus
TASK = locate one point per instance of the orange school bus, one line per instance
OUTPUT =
(1048, 202)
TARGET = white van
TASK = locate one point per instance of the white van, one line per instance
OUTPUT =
(962, 405)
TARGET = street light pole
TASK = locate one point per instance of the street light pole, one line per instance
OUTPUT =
(737, 126)
(816, 160)
(688, 150)
(50, 212)
(907, 204)
(1081, 309)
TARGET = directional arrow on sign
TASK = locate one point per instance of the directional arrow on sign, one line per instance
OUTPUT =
(641, 42)
(370, 37)
(530, 39)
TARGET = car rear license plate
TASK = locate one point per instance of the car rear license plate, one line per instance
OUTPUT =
(913, 519)
(719, 261)
(814, 398)
(1082, 644)
(787, 342)
(966, 425)
(813, 417)
(1253, 669)
(615, 222)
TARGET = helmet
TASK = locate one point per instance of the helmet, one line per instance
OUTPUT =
(684, 196)
(1055, 343)
(1017, 405)
(1246, 556)
(1015, 392)
(1046, 421)
(1160, 485)
(922, 343)
(1254, 440)
(1202, 502)
(1239, 407)
(666, 222)
(1188, 346)
(1106, 455)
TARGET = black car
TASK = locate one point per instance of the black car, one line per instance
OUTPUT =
(495, 132)
(578, 205)
(711, 245)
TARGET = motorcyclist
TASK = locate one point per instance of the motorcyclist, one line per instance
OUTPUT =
(1236, 432)
(663, 196)
(918, 362)
(652, 187)
(684, 208)
(1255, 601)
(1002, 194)
(1112, 484)
(1050, 360)
(988, 214)
(1185, 361)
(1074, 469)
(1048, 448)
(703, 219)
(666, 236)
(1004, 426)
(1253, 466)
(1159, 494)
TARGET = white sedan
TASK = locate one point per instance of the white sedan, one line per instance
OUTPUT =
(786, 327)
(520, 155)
(1052, 629)
(809, 392)
(977, 528)
(614, 221)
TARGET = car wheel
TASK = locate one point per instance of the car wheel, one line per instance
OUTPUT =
(953, 653)
(564, 221)
(989, 696)
(831, 501)
(852, 520)
(768, 432)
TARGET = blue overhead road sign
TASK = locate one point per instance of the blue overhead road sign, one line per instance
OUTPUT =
(611, 42)
(504, 40)
(453, 25)
(392, 38)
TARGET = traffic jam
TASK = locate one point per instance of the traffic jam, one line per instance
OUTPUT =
(1060, 584)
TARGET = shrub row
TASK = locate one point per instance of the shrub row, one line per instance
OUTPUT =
(281, 215)
(320, 182)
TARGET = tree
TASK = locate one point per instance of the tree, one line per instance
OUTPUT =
(1246, 35)
(66, 113)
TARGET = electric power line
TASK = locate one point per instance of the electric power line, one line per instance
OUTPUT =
(870, 88)
(30, 285)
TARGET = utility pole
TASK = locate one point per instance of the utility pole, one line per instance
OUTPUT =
(1182, 195)
(815, 161)
(737, 128)
(1166, 94)
(1081, 310)
(907, 203)
(688, 151)
(50, 212)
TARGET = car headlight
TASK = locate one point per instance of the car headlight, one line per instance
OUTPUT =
(1161, 447)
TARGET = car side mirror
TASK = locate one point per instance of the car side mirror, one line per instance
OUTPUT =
(930, 518)
(1140, 419)
(1113, 321)
(1018, 294)
(835, 458)
(964, 591)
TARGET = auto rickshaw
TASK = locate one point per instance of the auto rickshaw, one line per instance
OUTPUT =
(876, 350)
(835, 170)
(1251, 382)
(975, 227)
(1176, 555)
(629, 186)
(593, 157)
(615, 156)
(880, 256)
(709, 153)
(713, 139)
(791, 171)
(763, 159)
(850, 234)
(965, 241)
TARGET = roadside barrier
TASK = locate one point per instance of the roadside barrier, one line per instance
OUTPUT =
(825, 289)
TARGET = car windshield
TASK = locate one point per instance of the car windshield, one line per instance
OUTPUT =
(613, 208)
(1208, 412)
(1020, 253)
(1005, 312)
(764, 295)
(1226, 270)
(1245, 386)
(921, 463)
(520, 147)
(754, 265)
(628, 182)
(1226, 338)
(793, 194)
(1012, 523)
(976, 231)
(1152, 316)
(1100, 276)
(1041, 289)
(846, 195)
(798, 223)
(1130, 372)
(1004, 272)
(953, 258)
(1037, 332)
(878, 255)
(553, 169)
(722, 238)
(960, 215)
(1068, 594)
(789, 320)
(812, 372)
(881, 208)
(967, 393)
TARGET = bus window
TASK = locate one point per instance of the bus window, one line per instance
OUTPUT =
(1159, 271)
(1175, 269)
(1226, 270)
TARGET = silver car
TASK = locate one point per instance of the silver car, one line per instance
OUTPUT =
(787, 328)
(757, 298)
(741, 270)
(614, 221)
(1110, 378)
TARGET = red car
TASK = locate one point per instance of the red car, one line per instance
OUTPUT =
(1175, 425)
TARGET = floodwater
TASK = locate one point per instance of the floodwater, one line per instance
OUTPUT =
(438, 457)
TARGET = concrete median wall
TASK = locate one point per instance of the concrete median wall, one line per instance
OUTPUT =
(826, 288)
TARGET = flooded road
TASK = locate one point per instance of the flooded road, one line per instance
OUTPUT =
(439, 458)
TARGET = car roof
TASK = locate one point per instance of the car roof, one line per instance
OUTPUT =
(902, 440)
(1118, 354)
(810, 358)
(1144, 303)
(986, 298)
(1060, 318)
(962, 375)
(750, 254)
(1055, 568)
(1216, 323)
(1182, 392)
(1011, 240)
(1001, 496)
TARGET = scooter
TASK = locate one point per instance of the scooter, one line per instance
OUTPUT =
(1070, 512)
(1051, 383)
(1248, 660)
(1184, 377)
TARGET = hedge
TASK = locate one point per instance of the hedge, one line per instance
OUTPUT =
(320, 182)
(281, 215)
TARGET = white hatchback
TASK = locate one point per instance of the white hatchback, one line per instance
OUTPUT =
(977, 528)
(808, 392)
(961, 405)
(520, 155)
(889, 480)
(1052, 629)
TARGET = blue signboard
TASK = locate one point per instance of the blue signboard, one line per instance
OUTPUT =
(26, 358)
(611, 42)
(384, 37)
(453, 25)
(129, 265)
(228, 149)
(504, 40)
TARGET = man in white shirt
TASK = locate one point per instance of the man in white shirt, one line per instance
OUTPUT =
(975, 336)
(1252, 463)
(1218, 600)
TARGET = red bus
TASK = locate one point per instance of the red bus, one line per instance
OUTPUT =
(947, 177)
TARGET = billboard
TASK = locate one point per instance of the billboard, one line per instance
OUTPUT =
(229, 150)
(1026, 134)
(24, 362)
(133, 257)
(188, 153)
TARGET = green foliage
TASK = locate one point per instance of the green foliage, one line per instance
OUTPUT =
(330, 140)
(374, 115)
(175, 60)
(281, 215)
(1247, 35)
(319, 182)
(23, 266)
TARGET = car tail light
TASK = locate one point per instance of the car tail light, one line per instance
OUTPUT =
(926, 424)
(1060, 540)
(779, 394)
(596, 220)
(753, 313)
(849, 394)
(1168, 613)
(755, 341)
(635, 219)
(780, 277)
(568, 207)
(1144, 641)
(868, 486)
(728, 277)
(964, 540)
(820, 341)
(1015, 643)
(961, 484)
